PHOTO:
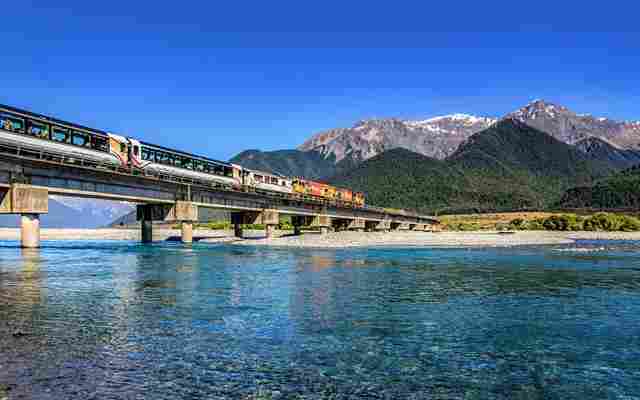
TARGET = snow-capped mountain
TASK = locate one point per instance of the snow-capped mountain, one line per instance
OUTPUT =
(571, 128)
(435, 137)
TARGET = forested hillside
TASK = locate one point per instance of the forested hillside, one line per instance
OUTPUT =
(619, 191)
(309, 164)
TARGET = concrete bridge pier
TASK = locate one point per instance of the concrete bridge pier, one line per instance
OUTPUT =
(237, 230)
(145, 214)
(30, 231)
(28, 201)
(186, 228)
(323, 222)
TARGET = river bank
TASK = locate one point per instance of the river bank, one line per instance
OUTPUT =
(432, 239)
(340, 239)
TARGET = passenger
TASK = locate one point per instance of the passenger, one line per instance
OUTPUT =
(8, 125)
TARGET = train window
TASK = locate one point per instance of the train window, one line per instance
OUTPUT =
(147, 155)
(258, 178)
(163, 158)
(80, 139)
(37, 129)
(274, 180)
(60, 134)
(11, 123)
(136, 151)
(187, 163)
(100, 143)
(198, 165)
(123, 148)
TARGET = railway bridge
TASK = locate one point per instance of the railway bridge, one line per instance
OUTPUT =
(26, 181)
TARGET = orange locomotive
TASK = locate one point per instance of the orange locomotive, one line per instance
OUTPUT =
(307, 188)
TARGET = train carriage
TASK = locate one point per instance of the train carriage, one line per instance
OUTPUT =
(267, 181)
(38, 134)
(158, 160)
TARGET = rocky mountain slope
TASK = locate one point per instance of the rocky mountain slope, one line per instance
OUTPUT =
(436, 137)
(599, 149)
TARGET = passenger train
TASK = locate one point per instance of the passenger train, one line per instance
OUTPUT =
(52, 138)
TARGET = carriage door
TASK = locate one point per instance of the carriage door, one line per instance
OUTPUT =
(135, 155)
(118, 147)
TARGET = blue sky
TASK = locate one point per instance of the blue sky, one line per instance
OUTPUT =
(217, 78)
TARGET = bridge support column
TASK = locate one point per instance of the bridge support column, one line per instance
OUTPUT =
(29, 202)
(146, 214)
(270, 230)
(187, 232)
(146, 231)
(30, 231)
(298, 221)
(323, 222)
(237, 230)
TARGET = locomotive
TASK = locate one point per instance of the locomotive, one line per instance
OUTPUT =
(51, 138)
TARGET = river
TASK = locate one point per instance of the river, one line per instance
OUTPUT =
(120, 320)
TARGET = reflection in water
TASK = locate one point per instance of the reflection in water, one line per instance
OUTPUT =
(120, 320)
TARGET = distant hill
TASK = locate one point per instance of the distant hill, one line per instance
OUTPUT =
(65, 212)
(619, 191)
(204, 215)
(309, 164)
(507, 166)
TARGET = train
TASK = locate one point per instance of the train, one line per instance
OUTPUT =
(55, 139)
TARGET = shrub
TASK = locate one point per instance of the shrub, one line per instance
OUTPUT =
(518, 223)
(630, 224)
(603, 222)
(535, 225)
(564, 222)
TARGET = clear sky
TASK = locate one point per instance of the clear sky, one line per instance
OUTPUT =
(218, 77)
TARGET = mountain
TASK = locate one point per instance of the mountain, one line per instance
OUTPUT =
(510, 165)
(614, 142)
(571, 128)
(599, 149)
(309, 164)
(66, 212)
(436, 137)
(619, 191)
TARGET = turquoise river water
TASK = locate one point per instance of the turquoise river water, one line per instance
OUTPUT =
(118, 320)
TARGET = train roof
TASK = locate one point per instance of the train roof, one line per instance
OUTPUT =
(51, 119)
